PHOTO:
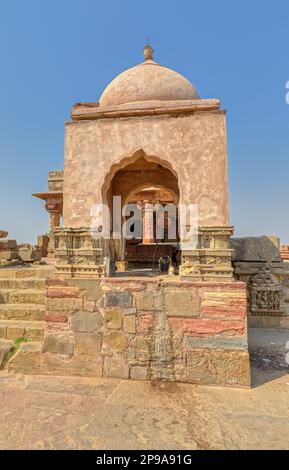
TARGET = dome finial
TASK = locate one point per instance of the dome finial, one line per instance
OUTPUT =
(148, 51)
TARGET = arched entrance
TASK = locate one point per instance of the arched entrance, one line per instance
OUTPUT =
(149, 183)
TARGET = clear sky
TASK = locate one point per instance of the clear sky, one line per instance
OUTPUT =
(56, 53)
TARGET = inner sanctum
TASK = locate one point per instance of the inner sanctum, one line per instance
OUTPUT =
(149, 233)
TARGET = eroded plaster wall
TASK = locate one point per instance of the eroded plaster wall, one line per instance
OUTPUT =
(193, 146)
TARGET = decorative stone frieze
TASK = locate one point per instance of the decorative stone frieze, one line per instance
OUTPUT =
(266, 296)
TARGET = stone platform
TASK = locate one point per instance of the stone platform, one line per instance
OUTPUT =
(156, 328)
(97, 413)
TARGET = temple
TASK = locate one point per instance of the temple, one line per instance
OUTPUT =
(142, 302)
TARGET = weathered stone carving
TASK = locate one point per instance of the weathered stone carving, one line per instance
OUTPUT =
(266, 296)
(260, 257)
(211, 259)
(79, 253)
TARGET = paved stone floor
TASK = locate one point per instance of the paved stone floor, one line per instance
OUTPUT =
(38, 412)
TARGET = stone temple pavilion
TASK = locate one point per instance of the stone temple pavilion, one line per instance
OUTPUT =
(150, 138)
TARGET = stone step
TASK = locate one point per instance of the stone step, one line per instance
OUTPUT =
(13, 329)
(5, 346)
(24, 272)
(29, 283)
(26, 296)
(28, 359)
(30, 312)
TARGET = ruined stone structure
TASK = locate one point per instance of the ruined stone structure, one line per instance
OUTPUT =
(150, 138)
(54, 205)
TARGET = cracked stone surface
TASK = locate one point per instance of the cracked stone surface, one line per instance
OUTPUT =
(38, 412)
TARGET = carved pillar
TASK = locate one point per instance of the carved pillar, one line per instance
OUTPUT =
(54, 208)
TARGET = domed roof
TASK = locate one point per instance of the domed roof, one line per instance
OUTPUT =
(148, 81)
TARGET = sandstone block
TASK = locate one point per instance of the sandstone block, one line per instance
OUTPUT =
(129, 311)
(215, 342)
(117, 367)
(218, 367)
(2, 331)
(145, 323)
(182, 303)
(29, 253)
(255, 249)
(138, 373)
(78, 364)
(143, 348)
(129, 324)
(145, 300)
(8, 255)
(56, 343)
(86, 322)
(62, 292)
(4, 350)
(115, 340)
(33, 333)
(89, 305)
(90, 288)
(177, 346)
(113, 318)
(64, 304)
(8, 245)
(56, 316)
(118, 299)
(87, 343)
(206, 326)
(56, 281)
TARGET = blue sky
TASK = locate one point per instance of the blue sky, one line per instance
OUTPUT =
(56, 53)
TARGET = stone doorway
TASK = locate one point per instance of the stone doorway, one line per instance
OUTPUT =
(146, 182)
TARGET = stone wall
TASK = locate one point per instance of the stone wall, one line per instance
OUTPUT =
(147, 329)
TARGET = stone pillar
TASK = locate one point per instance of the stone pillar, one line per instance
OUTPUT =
(54, 207)
(148, 224)
(54, 210)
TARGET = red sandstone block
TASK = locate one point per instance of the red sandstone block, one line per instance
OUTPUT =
(62, 292)
(145, 323)
(55, 316)
(55, 281)
(222, 311)
(238, 303)
(206, 326)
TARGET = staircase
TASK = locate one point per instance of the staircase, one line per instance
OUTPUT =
(22, 306)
